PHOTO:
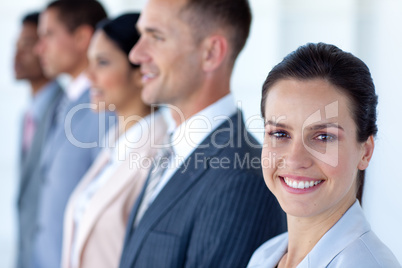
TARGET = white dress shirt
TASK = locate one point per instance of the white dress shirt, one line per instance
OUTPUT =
(349, 243)
(119, 152)
(76, 87)
(189, 135)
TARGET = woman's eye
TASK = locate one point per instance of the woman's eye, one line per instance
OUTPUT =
(325, 137)
(103, 62)
(279, 135)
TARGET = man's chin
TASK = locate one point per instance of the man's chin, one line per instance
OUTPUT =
(148, 96)
(50, 73)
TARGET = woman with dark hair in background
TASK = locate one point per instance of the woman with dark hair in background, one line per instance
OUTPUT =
(319, 108)
(98, 210)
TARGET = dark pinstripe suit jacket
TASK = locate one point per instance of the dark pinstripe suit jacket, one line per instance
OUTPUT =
(211, 214)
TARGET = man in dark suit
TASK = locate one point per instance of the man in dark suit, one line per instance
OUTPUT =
(207, 206)
(65, 30)
(37, 121)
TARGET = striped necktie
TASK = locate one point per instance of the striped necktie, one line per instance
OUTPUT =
(161, 163)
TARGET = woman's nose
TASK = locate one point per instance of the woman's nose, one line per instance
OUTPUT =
(298, 156)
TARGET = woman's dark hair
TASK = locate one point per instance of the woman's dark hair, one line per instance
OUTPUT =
(341, 69)
(122, 31)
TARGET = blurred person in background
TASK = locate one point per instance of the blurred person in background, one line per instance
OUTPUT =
(38, 119)
(97, 212)
(65, 31)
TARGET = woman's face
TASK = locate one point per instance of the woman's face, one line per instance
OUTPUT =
(114, 81)
(311, 155)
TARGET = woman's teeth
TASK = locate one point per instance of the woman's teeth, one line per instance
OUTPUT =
(300, 184)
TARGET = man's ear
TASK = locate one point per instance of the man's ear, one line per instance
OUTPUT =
(82, 36)
(215, 51)
(367, 153)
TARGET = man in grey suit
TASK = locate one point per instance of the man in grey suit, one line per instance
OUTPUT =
(37, 121)
(65, 30)
(206, 205)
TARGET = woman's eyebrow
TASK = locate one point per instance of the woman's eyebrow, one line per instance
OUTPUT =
(277, 124)
(326, 125)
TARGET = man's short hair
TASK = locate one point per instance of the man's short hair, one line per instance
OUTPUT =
(233, 15)
(75, 13)
(31, 18)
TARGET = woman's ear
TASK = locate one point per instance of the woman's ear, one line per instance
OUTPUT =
(367, 153)
(215, 51)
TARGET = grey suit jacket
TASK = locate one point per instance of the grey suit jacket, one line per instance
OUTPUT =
(208, 215)
(30, 178)
(66, 159)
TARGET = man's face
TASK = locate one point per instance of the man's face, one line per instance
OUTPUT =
(169, 57)
(26, 62)
(56, 48)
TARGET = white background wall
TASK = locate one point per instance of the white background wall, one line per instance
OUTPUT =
(371, 29)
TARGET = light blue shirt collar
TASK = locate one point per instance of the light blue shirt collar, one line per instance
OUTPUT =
(352, 225)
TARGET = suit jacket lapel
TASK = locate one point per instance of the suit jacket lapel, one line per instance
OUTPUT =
(69, 213)
(180, 183)
(121, 179)
(60, 133)
(97, 166)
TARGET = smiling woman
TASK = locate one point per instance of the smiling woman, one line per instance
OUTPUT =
(319, 106)
(324, 152)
